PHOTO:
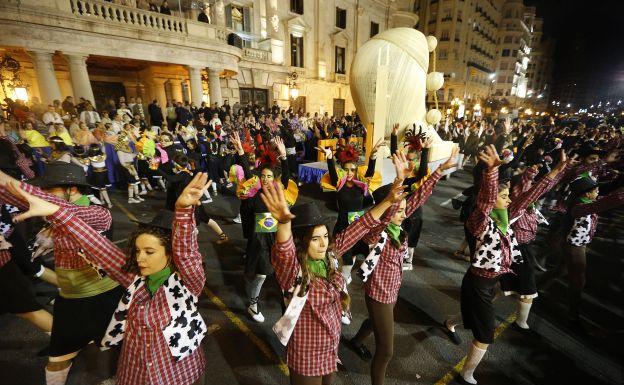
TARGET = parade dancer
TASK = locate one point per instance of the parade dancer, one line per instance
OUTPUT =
(521, 281)
(382, 269)
(496, 249)
(351, 187)
(157, 320)
(99, 172)
(87, 297)
(580, 225)
(262, 227)
(126, 157)
(308, 272)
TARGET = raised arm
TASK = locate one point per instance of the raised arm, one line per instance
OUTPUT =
(281, 148)
(186, 254)
(608, 202)
(394, 139)
(486, 198)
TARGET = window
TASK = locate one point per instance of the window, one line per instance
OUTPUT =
(507, 39)
(445, 35)
(514, 53)
(296, 6)
(442, 54)
(296, 51)
(374, 29)
(340, 60)
(505, 53)
(341, 18)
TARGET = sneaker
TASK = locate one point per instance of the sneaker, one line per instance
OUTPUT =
(345, 318)
(139, 199)
(229, 185)
(132, 200)
(215, 193)
(207, 200)
(452, 335)
(255, 314)
(144, 192)
(237, 219)
(407, 266)
(110, 205)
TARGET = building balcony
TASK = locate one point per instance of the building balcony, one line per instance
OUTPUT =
(257, 55)
(102, 28)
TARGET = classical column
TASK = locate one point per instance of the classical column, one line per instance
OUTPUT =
(46, 77)
(176, 90)
(80, 77)
(196, 84)
(214, 84)
(158, 92)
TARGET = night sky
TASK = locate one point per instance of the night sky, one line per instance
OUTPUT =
(596, 28)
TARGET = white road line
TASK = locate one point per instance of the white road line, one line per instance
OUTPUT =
(446, 202)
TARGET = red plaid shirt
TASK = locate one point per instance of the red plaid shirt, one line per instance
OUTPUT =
(65, 248)
(21, 160)
(478, 221)
(145, 356)
(5, 256)
(525, 227)
(385, 281)
(313, 346)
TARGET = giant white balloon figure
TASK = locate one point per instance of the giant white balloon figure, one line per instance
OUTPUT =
(406, 52)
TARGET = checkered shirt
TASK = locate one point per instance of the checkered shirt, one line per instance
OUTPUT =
(605, 203)
(385, 281)
(65, 248)
(479, 219)
(145, 356)
(525, 227)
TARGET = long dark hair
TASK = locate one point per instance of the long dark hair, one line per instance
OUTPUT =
(164, 236)
(302, 237)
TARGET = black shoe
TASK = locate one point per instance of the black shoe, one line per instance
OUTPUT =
(453, 336)
(517, 327)
(361, 350)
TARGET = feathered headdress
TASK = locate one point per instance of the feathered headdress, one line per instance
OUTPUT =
(347, 154)
(413, 140)
(267, 157)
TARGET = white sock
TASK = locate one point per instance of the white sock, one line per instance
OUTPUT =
(130, 192)
(523, 314)
(135, 187)
(58, 377)
(214, 186)
(148, 186)
(475, 355)
(410, 255)
(346, 271)
(207, 194)
(143, 188)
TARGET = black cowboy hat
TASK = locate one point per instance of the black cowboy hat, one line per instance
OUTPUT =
(590, 149)
(307, 214)
(582, 185)
(61, 174)
(162, 220)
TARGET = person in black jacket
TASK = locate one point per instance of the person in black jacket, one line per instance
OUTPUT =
(155, 113)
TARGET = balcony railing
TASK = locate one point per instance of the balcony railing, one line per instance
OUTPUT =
(257, 55)
(127, 15)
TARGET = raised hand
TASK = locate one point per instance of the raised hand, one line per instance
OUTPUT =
(397, 192)
(37, 207)
(281, 148)
(451, 161)
(380, 142)
(193, 192)
(402, 166)
(273, 197)
(490, 157)
(235, 139)
(426, 143)
(327, 151)
(395, 129)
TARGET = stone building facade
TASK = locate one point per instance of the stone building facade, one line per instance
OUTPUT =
(294, 52)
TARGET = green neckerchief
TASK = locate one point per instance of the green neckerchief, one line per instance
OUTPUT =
(501, 218)
(586, 200)
(586, 174)
(394, 231)
(318, 267)
(83, 201)
(154, 281)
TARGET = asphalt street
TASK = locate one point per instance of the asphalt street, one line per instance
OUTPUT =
(239, 351)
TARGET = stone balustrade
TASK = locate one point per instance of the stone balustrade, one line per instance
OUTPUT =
(257, 55)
